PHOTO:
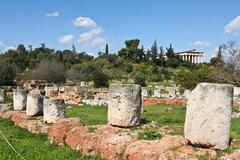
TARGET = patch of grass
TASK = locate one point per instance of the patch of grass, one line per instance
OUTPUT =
(235, 128)
(174, 149)
(89, 115)
(92, 129)
(149, 135)
(203, 157)
(158, 113)
(33, 146)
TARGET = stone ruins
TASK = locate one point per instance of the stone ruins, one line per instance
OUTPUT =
(53, 110)
(125, 105)
(34, 104)
(207, 122)
(208, 116)
(19, 99)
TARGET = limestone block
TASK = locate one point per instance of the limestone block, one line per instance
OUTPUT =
(186, 93)
(1, 95)
(208, 116)
(171, 92)
(236, 91)
(82, 83)
(50, 89)
(157, 93)
(19, 99)
(145, 92)
(53, 110)
(34, 105)
(124, 105)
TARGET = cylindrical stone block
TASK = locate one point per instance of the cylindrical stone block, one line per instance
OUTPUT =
(19, 99)
(34, 105)
(53, 110)
(208, 117)
(124, 105)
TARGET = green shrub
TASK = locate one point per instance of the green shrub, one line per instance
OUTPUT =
(149, 135)
(100, 79)
(8, 73)
(140, 79)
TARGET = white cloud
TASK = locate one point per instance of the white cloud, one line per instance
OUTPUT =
(53, 14)
(66, 39)
(88, 36)
(233, 26)
(84, 22)
(4, 48)
(98, 41)
(200, 43)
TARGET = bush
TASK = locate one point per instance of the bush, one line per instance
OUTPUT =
(8, 72)
(187, 79)
(140, 79)
(173, 62)
(77, 75)
(100, 79)
(51, 71)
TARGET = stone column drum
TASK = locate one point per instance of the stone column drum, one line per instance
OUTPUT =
(34, 104)
(124, 105)
(208, 117)
(19, 99)
(53, 110)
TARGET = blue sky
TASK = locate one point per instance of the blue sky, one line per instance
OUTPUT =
(90, 24)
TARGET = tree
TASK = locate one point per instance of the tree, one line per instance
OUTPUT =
(170, 52)
(100, 79)
(74, 49)
(106, 49)
(140, 79)
(43, 45)
(154, 50)
(131, 52)
(218, 60)
(8, 72)
(161, 57)
(232, 51)
(51, 71)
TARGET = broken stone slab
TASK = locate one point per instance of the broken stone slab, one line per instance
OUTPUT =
(1, 95)
(49, 90)
(53, 110)
(124, 105)
(208, 116)
(19, 99)
(34, 104)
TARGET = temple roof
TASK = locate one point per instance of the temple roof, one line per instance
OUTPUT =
(190, 51)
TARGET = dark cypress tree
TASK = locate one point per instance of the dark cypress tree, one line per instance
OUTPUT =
(161, 56)
(106, 49)
(74, 49)
(154, 49)
(170, 52)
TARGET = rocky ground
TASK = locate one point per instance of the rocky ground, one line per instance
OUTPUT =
(119, 143)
